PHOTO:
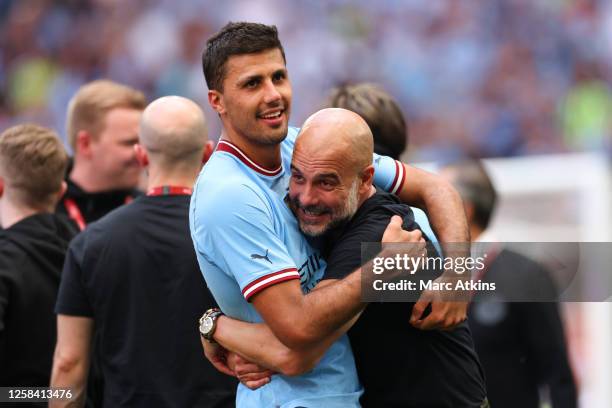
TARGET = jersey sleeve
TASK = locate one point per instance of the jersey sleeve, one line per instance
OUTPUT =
(72, 297)
(389, 174)
(237, 234)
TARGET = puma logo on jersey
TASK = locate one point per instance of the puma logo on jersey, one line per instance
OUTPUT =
(257, 256)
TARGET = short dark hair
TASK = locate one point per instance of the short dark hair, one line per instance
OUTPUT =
(473, 183)
(33, 161)
(380, 111)
(236, 39)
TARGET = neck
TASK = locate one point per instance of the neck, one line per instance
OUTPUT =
(371, 191)
(266, 155)
(11, 214)
(178, 179)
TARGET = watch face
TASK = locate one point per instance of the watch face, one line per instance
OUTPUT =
(206, 325)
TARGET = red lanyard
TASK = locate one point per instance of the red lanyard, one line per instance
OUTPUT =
(169, 190)
(75, 213)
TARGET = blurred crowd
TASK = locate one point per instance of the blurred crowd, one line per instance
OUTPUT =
(486, 78)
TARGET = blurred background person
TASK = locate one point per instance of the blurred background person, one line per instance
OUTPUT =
(102, 126)
(133, 278)
(102, 122)
(389, 128)
(521, 345)
(381, 112)
(33, 245)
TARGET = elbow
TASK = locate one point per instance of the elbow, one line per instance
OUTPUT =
(298, 338)
(295, 363)
(66, 364)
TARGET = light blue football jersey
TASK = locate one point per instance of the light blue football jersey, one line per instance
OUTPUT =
(246, 239)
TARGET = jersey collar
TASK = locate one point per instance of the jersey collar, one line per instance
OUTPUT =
(228, 147)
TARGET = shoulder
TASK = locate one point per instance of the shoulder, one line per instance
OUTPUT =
(10, 254)
(235, 192)
(374, 215)
(118, 219)
(235, 202)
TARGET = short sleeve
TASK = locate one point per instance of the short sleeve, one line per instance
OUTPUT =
(237, 234)
(389, 174)
(72, 297)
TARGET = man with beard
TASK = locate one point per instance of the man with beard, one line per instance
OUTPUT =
(33, 244)
(253, 257)
(332, 197)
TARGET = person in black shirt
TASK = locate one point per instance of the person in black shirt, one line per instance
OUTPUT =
(102, 126)
(133, 275)
(521, 344)
(33, 245)
(332, 196)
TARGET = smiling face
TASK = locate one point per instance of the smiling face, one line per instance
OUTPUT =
(256, 97)
(320, 196)
(331, 170)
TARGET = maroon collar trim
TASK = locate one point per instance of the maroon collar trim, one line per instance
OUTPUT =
(225, 146)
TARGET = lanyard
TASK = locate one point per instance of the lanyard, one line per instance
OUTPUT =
(169, 190)
(75, 213)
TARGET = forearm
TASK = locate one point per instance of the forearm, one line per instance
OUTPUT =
(72, 375)
(256, 343)
(306, 319)
(71, 358)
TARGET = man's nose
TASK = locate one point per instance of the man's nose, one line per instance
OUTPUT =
(271, 92)
(308, 196)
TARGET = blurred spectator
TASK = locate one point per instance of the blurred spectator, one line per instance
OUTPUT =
(483, 78)
(521, 345)
(383, 115)
(102, 123)
(380, 111)
(134, 278)
(587, 110)
(33, 244)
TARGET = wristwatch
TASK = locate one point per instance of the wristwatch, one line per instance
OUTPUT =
(208, 323)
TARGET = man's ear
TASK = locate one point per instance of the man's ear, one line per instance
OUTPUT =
(62, 190)
(82, 145)
(141, 155)
(367, 178)
(1, 186)
(208, 151)
(215, 100)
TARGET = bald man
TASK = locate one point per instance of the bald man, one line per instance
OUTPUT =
(133, 277)
(332, 196)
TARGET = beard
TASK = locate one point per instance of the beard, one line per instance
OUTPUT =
(338, 217)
